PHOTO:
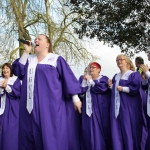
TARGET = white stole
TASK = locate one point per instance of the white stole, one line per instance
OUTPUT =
(88, 96)
(30, 81)
(88, 102)
(117, 95)
(11, 81)
(50, 59)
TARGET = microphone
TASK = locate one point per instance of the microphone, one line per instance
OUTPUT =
(26, 42)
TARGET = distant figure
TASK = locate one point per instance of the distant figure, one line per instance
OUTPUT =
(138, 62)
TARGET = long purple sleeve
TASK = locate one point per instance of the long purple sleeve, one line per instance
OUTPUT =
(100, 86)
(69, 82)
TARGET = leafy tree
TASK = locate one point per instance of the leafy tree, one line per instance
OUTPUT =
(27, 18)
(125, 23)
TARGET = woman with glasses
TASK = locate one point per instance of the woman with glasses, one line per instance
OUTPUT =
(95, 110)
(128, 124)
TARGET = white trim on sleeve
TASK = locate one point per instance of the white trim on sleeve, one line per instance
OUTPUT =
(8, 89)
(91, 82)
(125, 89)
(75, 98)
(24, 58)
(147, 74)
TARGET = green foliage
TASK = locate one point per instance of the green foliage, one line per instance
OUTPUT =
(125, 23)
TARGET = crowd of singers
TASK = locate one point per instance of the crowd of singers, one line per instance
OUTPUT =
(44, 107)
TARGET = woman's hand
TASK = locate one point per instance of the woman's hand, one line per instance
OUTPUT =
(87, 77)
(78, 106)
(144, 68)
(4, 83)
(28, 48)
(119, 88)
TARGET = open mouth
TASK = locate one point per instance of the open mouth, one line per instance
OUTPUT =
(36, 45)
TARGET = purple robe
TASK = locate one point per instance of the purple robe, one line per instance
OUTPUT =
(52, 120)
(96, 128)
(80, 81)
(128, 129)
(81, 78)
(9, 120)
(145, 88)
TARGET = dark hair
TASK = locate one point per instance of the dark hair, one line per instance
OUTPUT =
(9, 66)
(139, 60)
(50, 49)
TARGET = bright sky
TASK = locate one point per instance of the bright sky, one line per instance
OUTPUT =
(108, 59)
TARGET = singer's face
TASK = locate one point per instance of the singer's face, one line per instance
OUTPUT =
(41, 43)
(121, 61)
(6, 71)
(94, 70)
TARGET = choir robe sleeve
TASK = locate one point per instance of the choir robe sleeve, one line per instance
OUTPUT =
(81, 79)
(2, 91)
(101, 86)
(70, 84)
(147, 82)
(144, 86)
(15, 90)
(84, 89)
(113, 80)
(133, 83)
(19, 69)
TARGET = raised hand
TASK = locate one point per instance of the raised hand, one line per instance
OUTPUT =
(144, 68)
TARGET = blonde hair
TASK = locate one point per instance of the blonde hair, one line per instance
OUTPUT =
(130, 65)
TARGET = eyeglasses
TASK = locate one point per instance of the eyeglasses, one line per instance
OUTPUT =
(119, 60)
(92, 67)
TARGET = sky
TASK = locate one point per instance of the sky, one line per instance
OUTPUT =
(107, 59)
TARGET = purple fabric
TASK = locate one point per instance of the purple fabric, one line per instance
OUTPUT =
(9, 120)
(129, 129)
(145, 89)
(49, 126)
(81, 79)
(96, 129)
